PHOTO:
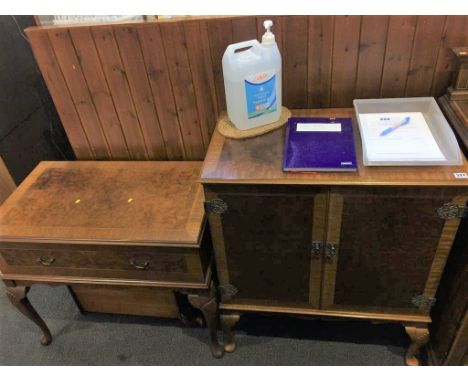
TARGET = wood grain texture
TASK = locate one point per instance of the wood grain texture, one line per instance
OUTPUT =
(295, 62)
(426, 45)
(170, 111)
(134, 66)
(319, 61)
(161, 88)
(335, 208)
(365, 315)
(345, 59)
(216, 229)
(445, 244)
(116, 76)
(372, 46)
(384, 219)
(143, 301)
(7, 184)
(247, 162)
(71, 69)
(170, 264)
(220, 32)
(198, 49)
(101, 96)
(184, 94)
(398, 51)
(446, 62)
(146, 202)
(244, 29)
(449, 328)
(47, 62)
(262, 262)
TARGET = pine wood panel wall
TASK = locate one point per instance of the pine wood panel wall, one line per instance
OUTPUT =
(153, 90)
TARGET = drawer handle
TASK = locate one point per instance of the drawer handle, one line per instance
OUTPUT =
(139, 266)
(46, 261)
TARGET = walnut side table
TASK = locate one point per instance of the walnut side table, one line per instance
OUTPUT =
(138, 224)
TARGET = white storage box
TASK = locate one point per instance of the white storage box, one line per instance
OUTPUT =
(438, 125)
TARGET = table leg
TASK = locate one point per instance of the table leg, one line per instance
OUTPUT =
(17, 296)
(207, 303)
(419, 336)
(228, 321)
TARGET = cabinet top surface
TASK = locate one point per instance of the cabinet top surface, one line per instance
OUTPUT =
(150, 203)
(259, 160)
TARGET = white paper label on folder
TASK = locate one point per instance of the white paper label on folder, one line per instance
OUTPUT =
(319, 127)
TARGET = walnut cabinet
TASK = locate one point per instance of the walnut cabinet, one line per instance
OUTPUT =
(366, 245)
(367, 249)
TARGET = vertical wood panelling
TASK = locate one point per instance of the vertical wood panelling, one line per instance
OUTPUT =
(244, 29)
(371, 56)
(134, 66)
(220, 32)
(71, 69)
(427, 41)
(295, 46)
(161, 88)
(345, 57)
(55, 82)
(117, 80)
(319, 61)
(446, 62)
(400, 37)
(198, 51)
(128, 92)
(96, 81)
(181, 79)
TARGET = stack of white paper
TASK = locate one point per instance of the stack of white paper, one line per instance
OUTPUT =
(398, 137)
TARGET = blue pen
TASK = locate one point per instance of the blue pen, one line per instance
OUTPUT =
(388, 130)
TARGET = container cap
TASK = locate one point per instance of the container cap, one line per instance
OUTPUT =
(268, 37)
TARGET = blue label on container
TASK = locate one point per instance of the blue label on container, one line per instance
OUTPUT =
(260, 91)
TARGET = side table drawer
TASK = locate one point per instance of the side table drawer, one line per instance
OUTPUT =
(173, 264)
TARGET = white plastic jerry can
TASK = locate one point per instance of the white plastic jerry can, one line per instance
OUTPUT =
(252, 81)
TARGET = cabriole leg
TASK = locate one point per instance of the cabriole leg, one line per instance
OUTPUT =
(17, 296)
(206, 302)
(419, 337)
(228, 321)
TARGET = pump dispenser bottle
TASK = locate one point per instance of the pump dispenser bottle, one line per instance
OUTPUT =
(252, 81)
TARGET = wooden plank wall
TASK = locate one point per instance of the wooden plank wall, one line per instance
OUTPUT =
(153, 90)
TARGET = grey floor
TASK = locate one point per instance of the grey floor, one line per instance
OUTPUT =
(101, 339)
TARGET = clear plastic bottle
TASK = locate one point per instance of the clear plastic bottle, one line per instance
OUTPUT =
(252, 81)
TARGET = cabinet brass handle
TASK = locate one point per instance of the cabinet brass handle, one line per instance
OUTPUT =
(331, 252)
(139, 265)
(46, 261)
(316, 249)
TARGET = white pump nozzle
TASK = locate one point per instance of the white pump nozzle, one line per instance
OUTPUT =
(268, 37)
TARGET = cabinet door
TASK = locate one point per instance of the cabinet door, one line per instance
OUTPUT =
(389, 247)
(267, 243)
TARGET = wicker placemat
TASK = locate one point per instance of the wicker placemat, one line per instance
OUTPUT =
(227, 128)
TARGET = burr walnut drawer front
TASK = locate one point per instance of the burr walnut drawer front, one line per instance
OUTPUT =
(172, 264)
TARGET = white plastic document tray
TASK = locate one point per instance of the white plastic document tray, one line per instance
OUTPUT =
(435, 120)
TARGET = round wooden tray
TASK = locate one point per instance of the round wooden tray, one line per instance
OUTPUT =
(227, 128)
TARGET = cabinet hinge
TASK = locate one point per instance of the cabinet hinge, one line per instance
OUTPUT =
(227, 290)
(217, 206)
(422, 301)
(451, 211)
